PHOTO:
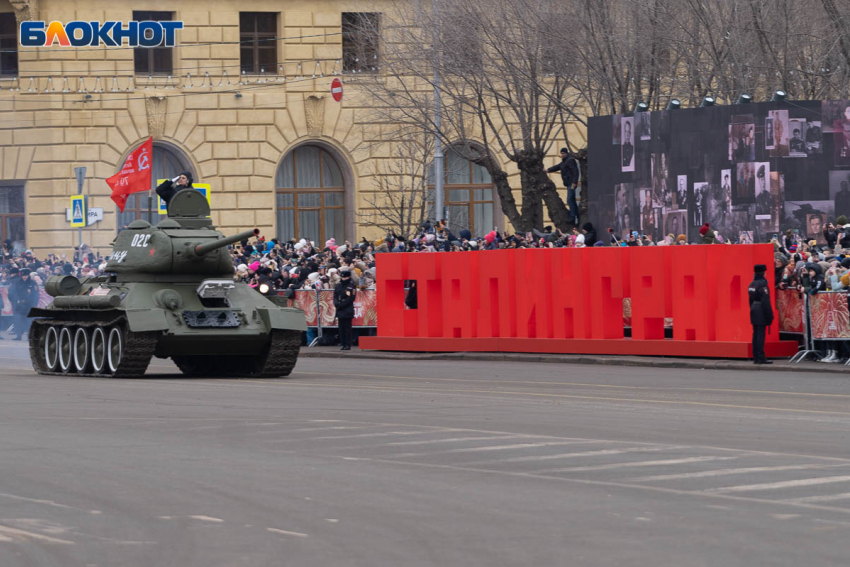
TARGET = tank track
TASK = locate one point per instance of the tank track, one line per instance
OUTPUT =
(278, 360)
(282, 354)
(138, 348)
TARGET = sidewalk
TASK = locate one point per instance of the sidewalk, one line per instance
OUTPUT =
(779, 365)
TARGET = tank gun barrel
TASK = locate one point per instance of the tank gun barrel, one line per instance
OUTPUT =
(202, 249)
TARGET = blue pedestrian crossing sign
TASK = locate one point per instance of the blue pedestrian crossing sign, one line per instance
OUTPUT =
(202, 188)
(78, 211)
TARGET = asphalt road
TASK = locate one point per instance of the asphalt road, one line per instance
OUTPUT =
(394, 463)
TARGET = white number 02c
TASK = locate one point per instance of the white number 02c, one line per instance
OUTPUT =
(140, 240)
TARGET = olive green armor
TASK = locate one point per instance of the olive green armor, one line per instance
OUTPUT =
(167, 291)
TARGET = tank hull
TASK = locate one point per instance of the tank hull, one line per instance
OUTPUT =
(244, 334)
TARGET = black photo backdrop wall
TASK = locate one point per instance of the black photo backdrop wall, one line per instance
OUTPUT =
(750, 170)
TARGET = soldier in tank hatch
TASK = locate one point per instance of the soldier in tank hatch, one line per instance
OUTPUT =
(168, 188)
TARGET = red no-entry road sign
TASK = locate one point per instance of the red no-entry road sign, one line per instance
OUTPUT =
(336, 89)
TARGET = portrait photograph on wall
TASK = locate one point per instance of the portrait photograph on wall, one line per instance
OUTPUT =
(642, 125)
(759, 168)
(797, 143)
(627, 148)
(839, 189)
(615, 129)
(780, 133)
(742, 139)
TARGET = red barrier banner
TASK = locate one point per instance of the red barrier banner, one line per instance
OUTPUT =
(365, 308)
(572, 301)
(790, 310)
(830, 316)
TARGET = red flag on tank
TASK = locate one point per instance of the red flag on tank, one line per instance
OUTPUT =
(135, 176)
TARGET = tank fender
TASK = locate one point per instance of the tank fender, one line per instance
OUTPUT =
(288, 319)
(147, 320)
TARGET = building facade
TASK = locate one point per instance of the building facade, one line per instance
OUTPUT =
(242, 101)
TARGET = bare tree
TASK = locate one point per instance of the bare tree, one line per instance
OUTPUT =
(505, 98)
(399, 203)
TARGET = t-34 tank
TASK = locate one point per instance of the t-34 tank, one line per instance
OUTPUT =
(168, 291)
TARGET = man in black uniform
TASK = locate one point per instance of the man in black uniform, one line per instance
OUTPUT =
(761, 313)
(23, 294)
(344, 295)
(168, 188)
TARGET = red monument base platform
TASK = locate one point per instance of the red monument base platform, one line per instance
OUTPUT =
(666, 347)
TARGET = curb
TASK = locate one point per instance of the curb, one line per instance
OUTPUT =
(654, 362)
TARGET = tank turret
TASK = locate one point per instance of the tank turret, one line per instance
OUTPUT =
(184, 243)
(168, 291)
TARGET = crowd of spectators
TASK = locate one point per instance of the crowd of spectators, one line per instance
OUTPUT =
(811, 268)
(84, 263)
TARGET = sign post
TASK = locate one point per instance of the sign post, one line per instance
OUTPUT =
(80, 172)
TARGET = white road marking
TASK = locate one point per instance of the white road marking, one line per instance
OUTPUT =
(207, 519)
(337, 427)
(361, 435)
(285, 532)
(777, 485)
(453, 440)
(821, 498)
(36, 500)
(643, 464)
(723, 472)
(15, 533)
(482, 449)
(600, 452)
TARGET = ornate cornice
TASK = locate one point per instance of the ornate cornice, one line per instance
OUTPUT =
(25, 10)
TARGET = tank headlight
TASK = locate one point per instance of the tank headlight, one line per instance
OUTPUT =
(264, 288)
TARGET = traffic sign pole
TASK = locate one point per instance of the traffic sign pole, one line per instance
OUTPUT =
(80, 172)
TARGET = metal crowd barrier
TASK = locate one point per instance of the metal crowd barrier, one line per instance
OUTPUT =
(318, 325)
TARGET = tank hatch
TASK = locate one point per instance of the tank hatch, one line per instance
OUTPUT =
(190, 209)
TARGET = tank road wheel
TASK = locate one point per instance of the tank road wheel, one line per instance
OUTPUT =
(65, 350)
(36, 344)
(98, 350)
(114, 349)
(51, 348)
(81, 350)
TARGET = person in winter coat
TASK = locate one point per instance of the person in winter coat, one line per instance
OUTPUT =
(707, 235)
(779, 263)
(811, 281)
(571, 176)
(168, 188)
(23, 295)
(830, 235)
(344, 295)
(589, 234)
(761, 312)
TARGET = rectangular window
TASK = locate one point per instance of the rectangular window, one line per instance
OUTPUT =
(8, 44)
(153, 60)
(12, 223)
(360, 32)
(258, 42)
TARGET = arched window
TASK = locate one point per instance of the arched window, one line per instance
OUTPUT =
(468, 195)
(168, 163)
(310, 196)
